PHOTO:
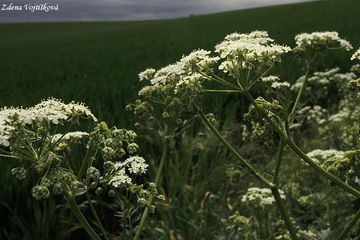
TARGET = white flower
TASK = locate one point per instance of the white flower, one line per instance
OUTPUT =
(260, 197)
(147, 74)
(320, 39)
(137, 165)
(319, 155)
(340, 116)
(270, 79)
(134, 165)
(201, 58)
(280, 85)
(120, 178)
(191, 81)
(69, 136)
(248, 50)
(356, 55)
(52, 110)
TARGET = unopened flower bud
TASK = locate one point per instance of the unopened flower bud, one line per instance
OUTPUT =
(132, 148)
(40, 192)
(111, 193)
(142, 201)
(57, 189)
(99, 191)
(93, 173)
(19, 172)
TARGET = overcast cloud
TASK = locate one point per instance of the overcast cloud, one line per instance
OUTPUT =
(105, 10)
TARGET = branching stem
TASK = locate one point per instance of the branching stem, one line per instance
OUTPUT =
(157, 180)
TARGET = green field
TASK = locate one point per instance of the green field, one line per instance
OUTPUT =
(98, 62)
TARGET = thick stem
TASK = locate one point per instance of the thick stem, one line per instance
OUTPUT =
(244, 162)
(151, 199)
(82, 220)
(279, 160)
(301, 154)
(281, 144)
(93, 210)
(347, 229)
(301, 91)
(258, 175)
(86, 159)
(283, 212)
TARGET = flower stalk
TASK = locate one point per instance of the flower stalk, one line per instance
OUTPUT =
(258, 175)
(82, 220)
(301, 154)
(351, 224)
(151, 199)
(96, 216)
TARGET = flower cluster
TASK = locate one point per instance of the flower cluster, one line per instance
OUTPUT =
(120, 159)
(346, 166)
(321, 156)
(248, 51)
(177, 86)
(319, 41)
(260, 197)
(356, 55)
(34, 136)
(48, 112)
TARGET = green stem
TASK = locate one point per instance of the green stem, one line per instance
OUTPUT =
(284, 213)
(301, 91)
(151, 199)
(82, 220)
(93, 210)
(86, 159)
(279, 160)
(244, 162)
(347, 229)
(301, 154)
(253, 171)
(281, 144)
(16, 157)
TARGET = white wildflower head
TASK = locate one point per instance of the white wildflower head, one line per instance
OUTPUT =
(69, 137)
(260, 197)
(248, 51)
(48, 112)
(120, 174)
(279, 85)
(176, 86)
(321, 156)
(270, 79)
(147, 74)
(356, 55)
(320, 41)
(33, 134)
(120, 179)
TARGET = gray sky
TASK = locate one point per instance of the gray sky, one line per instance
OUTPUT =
(104, 10)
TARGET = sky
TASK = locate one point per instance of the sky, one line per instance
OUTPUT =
(113, 10)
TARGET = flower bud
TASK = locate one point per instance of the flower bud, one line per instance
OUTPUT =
(111, 193)
(78, 188)
(142, 202)
(19, 172)
(57, 189)
(108, 153)
(132, 148)
(40, 192)
(93, 173)
(99, 191)
(108, 166)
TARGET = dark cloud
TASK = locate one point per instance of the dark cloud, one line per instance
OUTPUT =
(104, 10)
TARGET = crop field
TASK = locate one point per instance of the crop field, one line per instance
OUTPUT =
(98, 63)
